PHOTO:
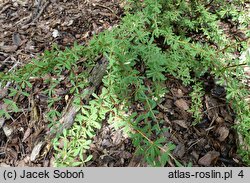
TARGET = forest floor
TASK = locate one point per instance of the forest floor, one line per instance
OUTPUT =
(30, 27)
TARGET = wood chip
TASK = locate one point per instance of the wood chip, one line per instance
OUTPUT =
(181, 123)
(219, 120)
(8, 130)
(195, 155)
(16, 39)
(177, 92)
(212, 107)
(9, 49)
(209, 159)
(179, 150)
(26, 134)
(36, 150)
(223, 132)
(182, 104)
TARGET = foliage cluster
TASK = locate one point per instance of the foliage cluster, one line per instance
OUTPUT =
(155, 38)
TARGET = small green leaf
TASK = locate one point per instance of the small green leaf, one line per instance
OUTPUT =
(74, 164)
(88, 158)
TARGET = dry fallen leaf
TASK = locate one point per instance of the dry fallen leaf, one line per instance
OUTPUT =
(223, 132)
(219, 120)
(179, 150)
(9, 49)
(177, 92)
(226, 116)
(16, 39)
(212, 107)
(195, 155)
(117, 137)
(26, 134)
(209, 159)
(36, 150)
(30, 46)
(8, 130)
(181, 123)
(21, 2)
(182, 104)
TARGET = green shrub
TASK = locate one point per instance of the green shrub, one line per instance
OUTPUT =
(155, 38)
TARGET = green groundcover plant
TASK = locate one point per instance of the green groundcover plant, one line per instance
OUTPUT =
(180, 38)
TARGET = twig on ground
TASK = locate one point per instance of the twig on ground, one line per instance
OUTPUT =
(102, 6)
(5, 7)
